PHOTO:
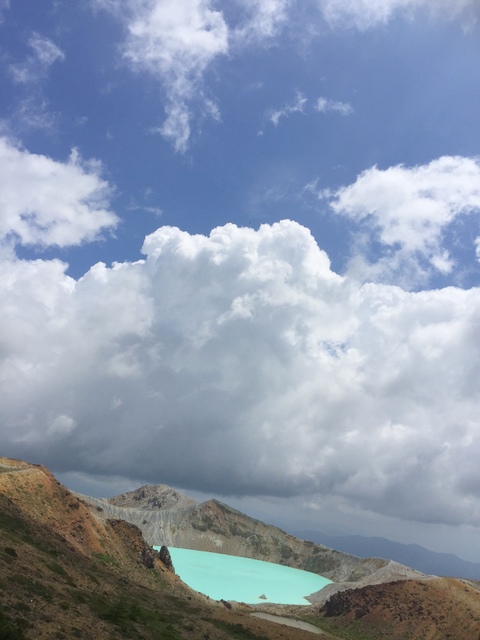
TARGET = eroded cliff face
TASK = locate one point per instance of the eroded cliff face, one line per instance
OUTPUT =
(216, 527)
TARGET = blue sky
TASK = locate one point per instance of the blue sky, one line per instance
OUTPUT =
(235, 354)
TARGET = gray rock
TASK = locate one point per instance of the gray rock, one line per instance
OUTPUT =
(166, 558)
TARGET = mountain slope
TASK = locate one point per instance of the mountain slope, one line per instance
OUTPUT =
(67, 572)
(433, 609)
(412, 555)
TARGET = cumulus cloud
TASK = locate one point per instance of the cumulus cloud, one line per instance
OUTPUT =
(47, 202)
(407, 211)
(298, 106)
(241, 364)
(324, 105)
(36, 66)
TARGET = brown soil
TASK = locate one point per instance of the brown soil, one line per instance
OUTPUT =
(430, 609)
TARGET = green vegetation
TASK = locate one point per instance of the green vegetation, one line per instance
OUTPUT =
(59, 570)
(33, 587)
(20, 606)
(105, 559)
(181, 604)
(12, 525)
(352, 632)
(78, 596)
(56, 568)
(6, 558)
(17, 530)
(128, 615)
(92, 577)
(8, 631)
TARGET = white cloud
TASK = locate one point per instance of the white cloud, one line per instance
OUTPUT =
(45, 51)
(46, 202)
(31, 113)
(178, 42)
(324, 105)
(239, 363)
(175, 42)
(264, 20)
(408, 210)
(267, 18)
(37, 65)
(365, 14)
(298, 106)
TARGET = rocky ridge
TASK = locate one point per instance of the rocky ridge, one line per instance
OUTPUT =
(153, 497)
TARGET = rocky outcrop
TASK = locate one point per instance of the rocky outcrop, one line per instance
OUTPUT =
(131, 535)
(166, 558)
(153, 497)
(373, 571)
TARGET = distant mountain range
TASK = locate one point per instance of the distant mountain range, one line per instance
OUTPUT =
(412, 555)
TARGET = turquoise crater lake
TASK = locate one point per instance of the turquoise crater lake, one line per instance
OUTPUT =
(220, 576)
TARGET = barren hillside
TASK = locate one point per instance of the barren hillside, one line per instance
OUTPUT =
(432, 609)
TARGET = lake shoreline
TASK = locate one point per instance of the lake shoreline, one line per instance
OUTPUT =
(244, 580)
